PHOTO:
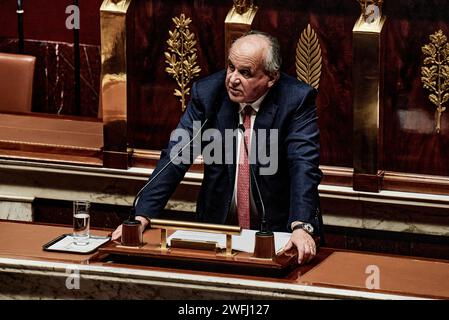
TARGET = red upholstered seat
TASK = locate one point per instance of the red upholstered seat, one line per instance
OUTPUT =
(16, 82)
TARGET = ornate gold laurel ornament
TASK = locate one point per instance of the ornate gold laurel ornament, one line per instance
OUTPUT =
(308, 58)
(435, 76)
(181, 57)
(371, 10)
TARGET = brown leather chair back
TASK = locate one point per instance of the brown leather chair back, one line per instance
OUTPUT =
(16, 82)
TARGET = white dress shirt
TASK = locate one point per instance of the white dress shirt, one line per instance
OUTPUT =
(255, 105)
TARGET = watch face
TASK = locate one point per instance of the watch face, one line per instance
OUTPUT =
(308, 228)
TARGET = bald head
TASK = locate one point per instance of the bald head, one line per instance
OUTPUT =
(270, 46)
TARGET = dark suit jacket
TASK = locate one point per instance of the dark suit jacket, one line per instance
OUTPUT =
(289, 194)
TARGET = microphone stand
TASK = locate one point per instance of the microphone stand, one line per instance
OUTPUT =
(264, 246)
(131, 235)
(19, 12)
(77, 65)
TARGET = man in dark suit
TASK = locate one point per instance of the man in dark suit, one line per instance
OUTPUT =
(255, 94)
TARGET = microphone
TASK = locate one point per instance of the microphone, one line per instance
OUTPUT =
(208, 115)
(131, 235)
(264, 247)
(133, 209)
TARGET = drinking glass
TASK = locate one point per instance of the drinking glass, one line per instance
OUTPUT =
(81, 222)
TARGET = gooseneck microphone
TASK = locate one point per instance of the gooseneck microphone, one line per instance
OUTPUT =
(131, 233)
(136, 199)
(264, 224)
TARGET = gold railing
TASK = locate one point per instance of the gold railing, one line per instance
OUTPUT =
(165, 225)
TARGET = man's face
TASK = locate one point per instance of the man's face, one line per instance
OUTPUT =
(246, 79)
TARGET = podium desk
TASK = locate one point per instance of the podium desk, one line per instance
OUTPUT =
(28, 272)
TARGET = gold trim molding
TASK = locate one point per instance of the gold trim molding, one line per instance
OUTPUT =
(368, 45)
(242, 12)
(435, 73)
(181, 57)
(113, 59)
(242, 6)
(309, 58)
(114, 79)
(118, 6)
(238, 21)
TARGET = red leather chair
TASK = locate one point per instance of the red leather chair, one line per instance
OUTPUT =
(16, 82)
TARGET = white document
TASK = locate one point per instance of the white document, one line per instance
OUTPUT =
(243, 242)
(68, 244)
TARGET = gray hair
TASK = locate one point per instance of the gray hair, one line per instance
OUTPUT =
(273, 59)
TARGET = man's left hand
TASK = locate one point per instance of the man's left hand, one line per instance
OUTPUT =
(304, 243)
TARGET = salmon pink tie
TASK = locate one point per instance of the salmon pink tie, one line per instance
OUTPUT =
(243, 191)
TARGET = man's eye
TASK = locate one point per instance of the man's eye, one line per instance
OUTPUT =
(231, 67)
(245, 73)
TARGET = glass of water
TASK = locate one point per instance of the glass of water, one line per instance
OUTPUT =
(81, 222)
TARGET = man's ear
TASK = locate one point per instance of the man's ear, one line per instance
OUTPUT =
(274, 77)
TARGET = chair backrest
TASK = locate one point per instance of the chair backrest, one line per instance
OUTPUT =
(16, 82)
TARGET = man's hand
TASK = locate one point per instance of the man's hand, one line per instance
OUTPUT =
(118, 232)
(304, 243)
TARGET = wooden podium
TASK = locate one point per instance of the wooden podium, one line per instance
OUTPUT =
(197, 256)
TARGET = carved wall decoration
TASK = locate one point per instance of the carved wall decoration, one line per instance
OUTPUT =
(308, 58)
(242, 6)
(371, 10)
(114, 4)
(435, 73)
(181, 57)
(239, 21)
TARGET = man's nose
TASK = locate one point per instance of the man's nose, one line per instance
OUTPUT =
(235, 79)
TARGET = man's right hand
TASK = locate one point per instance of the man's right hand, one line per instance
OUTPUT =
(118, 232)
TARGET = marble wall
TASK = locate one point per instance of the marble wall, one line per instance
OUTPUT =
(21, 279)
(53, 90)
(14, 208)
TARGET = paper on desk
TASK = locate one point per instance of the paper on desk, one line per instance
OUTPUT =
(243, 242)
(68, 244)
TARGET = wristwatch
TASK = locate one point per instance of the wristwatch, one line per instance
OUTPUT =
(307, 227)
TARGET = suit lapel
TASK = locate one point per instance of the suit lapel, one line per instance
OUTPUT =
(264, 120)
(228, 118)
(266, 114)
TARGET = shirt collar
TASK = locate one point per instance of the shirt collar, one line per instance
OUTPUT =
(255, 105)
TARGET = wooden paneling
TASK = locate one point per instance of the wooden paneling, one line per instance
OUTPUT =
(333, 23)
(51, 138)
(155, 111)
(410, 141)
(415, 183)
(45, 20)
(414, 156)
(385, 242)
